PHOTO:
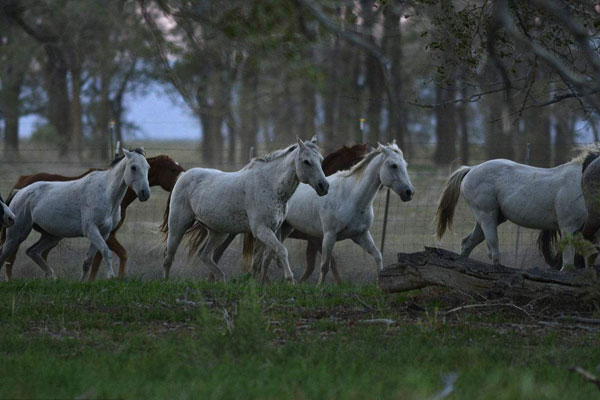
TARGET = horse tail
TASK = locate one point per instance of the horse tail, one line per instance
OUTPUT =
(547, 243)
(447, 204)
(247, 251)
(164, 225)
(195, 237)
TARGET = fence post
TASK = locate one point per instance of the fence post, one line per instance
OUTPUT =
(111, 135)
(518, 239)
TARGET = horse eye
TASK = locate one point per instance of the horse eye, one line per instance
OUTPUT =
(394, 166)
(307, 162)
(133, 168)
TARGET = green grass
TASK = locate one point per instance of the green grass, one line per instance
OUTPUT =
(134, 339)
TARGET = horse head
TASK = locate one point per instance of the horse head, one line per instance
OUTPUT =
(136, 173)
(164, 172)
(393, 172)
(308, 166)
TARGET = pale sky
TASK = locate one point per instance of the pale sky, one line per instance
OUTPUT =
(154, 113)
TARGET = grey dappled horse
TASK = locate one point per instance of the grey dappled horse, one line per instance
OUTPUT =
(89, 206)
(501, 190)
(213, 203)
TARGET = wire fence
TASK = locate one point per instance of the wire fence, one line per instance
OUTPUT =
(409, 225)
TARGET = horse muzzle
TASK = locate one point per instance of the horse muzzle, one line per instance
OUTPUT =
(406, 194)
(8, 220)
(322, 188)
(144, 195)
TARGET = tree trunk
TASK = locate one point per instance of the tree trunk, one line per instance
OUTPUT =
(103, 132)
(58, 96)
(332, 98)
(464, 130)
(392, 46)
(248, 108)
(76, 111)
(445, 127)
(498, 140)
(437, 267)
(10, 105)
(564, 138)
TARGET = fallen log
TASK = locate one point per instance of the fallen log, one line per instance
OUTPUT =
(438, 267)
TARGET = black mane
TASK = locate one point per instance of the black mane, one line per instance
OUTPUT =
(119, 158)
(589, 159)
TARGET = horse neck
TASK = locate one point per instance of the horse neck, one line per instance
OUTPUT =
(367, 183)
(287, 182)
(115, 180)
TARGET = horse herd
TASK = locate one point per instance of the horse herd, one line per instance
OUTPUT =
(293, 192)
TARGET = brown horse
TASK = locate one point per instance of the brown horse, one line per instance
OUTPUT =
(338, 160)
(163, 172)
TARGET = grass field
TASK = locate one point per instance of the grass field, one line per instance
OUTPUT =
(193, 339)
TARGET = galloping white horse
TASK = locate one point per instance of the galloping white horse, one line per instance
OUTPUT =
(89, 206)
(347, 210)
(253, 199)
(7, 217)
(500, 190)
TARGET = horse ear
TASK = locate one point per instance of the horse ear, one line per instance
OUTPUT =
(142, 149)
(126, 152)
(300, 142)
(314, 139)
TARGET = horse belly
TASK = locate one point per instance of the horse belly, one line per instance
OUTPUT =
(356, 226)
(58, 221)
(530, 210)
(305, 219)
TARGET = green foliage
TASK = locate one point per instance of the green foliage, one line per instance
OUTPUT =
(45, 134)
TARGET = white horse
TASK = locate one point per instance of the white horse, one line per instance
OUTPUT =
(7, 217)
(500, 190)
(347, 211)
(253, 199)
(89, 206)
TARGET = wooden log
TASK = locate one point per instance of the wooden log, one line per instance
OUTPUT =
(438, 267)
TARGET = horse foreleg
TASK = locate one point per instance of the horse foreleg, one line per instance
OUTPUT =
(98, 241)
(269, 239)
(10, 261)
(365, 241)
(116, 247)
(326, 251)
(92, 253)
(334, 270)
(34, 252)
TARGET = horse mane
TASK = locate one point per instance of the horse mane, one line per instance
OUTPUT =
(359, 167)
(277, 154)
(586, 154)
(119, 158)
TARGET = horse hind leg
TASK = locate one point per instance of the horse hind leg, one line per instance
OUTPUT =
(34, 252)
(489, 226)
(206, 252)
(180, 219)
(312, 249)
(472, 240)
